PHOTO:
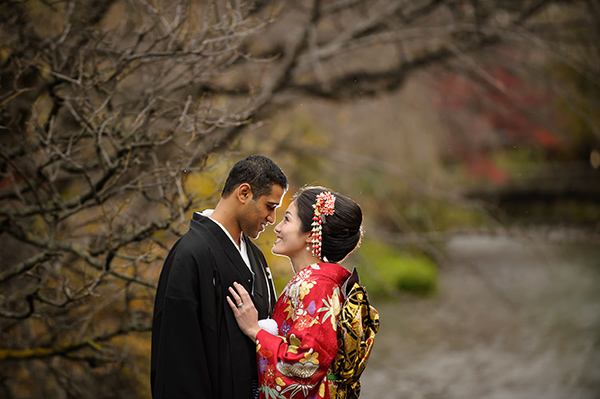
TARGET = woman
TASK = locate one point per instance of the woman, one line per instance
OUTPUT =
(320, 228)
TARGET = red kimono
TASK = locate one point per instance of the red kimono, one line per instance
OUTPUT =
(295, 363)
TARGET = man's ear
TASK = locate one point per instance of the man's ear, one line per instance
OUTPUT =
(244, 192)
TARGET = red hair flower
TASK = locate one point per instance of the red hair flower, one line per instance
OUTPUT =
(325, 205)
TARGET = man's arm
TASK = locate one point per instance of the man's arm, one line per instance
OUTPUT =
(184, 333)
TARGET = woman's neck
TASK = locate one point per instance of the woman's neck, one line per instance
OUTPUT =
(303, 261)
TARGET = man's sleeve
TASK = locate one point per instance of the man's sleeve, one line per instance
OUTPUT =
(185, 365)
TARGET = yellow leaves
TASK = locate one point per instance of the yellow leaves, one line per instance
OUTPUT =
(134, 343)
(45, 20)
(202, 184)
(40, 227)
(94, 345)
(40, 352)
(137, 371)
(141, 305)
(205, 184)
(279, 382)
(4, 54)
(42, 106)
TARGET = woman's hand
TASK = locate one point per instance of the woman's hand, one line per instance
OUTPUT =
(244, 311)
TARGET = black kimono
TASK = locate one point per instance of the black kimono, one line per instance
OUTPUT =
(198, 350)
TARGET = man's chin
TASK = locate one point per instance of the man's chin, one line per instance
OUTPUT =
(254, 235)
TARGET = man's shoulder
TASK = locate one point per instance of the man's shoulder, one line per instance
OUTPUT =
(194, 241)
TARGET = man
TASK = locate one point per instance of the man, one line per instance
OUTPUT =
(198, 350)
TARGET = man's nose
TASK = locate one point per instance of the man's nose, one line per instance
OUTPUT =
(271, 217)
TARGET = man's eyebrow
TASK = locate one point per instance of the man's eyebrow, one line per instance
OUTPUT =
(273, 203)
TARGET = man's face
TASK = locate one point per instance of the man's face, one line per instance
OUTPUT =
(257, 214)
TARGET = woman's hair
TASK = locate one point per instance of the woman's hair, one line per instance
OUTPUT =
(260, 172)
(341, 232)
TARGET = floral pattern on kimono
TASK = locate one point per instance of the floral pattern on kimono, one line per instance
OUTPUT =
(295, 363)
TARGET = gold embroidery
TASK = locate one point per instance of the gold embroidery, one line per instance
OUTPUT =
(300, 370)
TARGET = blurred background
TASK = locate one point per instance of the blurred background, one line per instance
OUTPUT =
(469, 132)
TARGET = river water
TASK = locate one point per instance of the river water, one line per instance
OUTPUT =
(514, 317)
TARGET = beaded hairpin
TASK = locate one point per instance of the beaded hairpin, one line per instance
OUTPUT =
(324, 206)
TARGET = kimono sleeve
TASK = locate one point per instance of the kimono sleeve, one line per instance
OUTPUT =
(299, 358)
(183, 330)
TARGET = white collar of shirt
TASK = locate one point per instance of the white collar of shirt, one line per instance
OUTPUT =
(241, 247)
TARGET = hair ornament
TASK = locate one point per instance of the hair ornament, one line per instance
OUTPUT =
(325, 205)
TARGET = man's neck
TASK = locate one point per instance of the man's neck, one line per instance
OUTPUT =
(226, 219)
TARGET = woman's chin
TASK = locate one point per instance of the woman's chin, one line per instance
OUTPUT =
(279, 251)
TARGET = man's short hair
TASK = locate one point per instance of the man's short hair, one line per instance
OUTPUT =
(260, 172)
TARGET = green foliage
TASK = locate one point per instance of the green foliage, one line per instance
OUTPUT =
(435, 215)
(391, 270)
(522, 162)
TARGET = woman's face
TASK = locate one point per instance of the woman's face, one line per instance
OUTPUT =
(291, 241)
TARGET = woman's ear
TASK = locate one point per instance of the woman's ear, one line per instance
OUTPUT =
(308, 237)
